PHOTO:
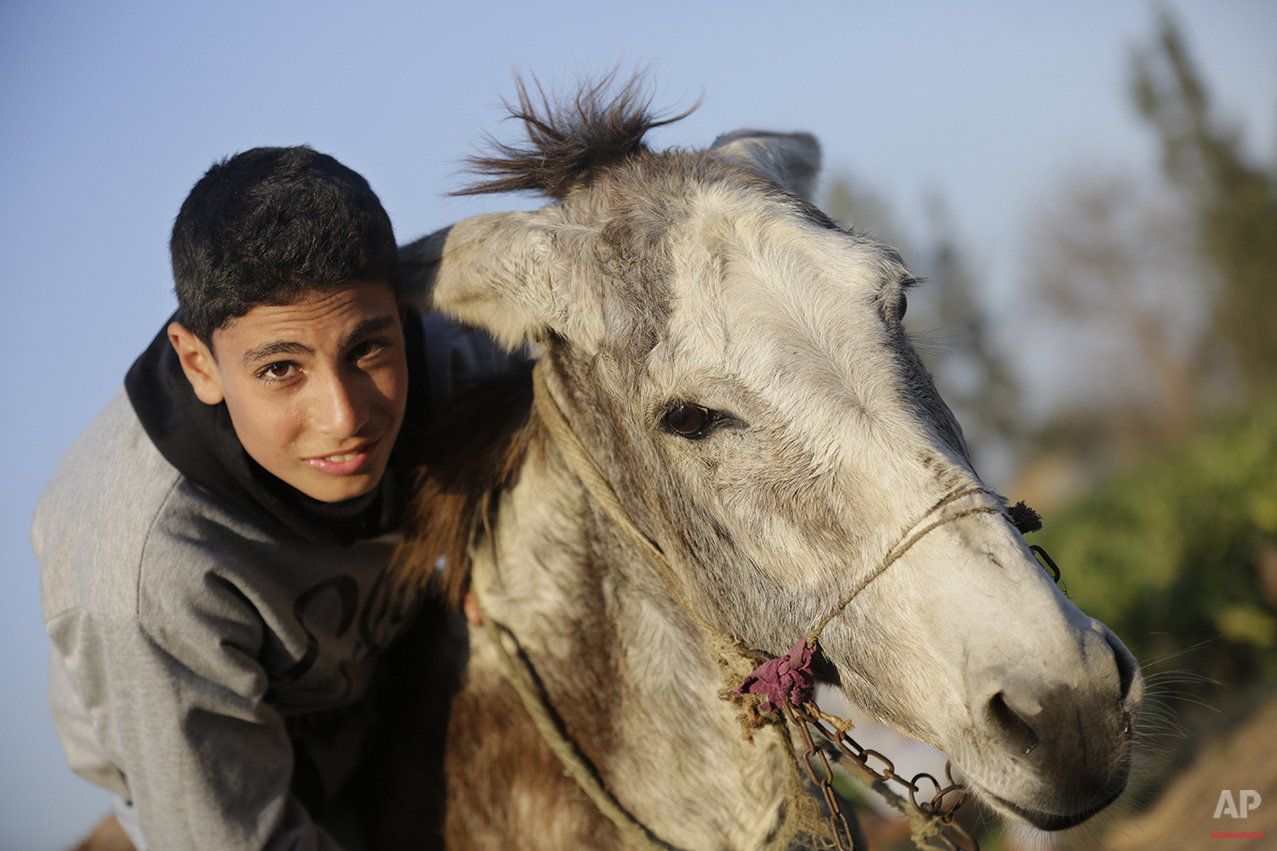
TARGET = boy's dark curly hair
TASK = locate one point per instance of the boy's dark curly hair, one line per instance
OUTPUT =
(267, 225)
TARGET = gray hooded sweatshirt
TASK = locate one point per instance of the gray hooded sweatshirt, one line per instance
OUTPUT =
(209, 659)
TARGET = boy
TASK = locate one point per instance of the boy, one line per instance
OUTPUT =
(212, 548)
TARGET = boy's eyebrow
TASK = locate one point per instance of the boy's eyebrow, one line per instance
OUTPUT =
(368, 327)
(270, 350)
(288, 347)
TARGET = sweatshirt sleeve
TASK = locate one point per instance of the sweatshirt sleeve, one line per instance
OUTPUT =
(174, 624)
(207, 761)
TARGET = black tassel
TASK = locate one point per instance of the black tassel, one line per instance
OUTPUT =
(1025, 519)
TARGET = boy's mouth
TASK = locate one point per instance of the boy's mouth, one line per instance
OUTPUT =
(344, 463)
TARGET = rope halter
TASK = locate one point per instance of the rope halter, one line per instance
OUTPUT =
(789, 677)
(787, 682)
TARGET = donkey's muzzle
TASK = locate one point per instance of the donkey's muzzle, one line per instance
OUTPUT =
(1064, 744)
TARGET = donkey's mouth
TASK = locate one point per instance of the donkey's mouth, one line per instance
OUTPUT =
(1044, 820)
(826, 672)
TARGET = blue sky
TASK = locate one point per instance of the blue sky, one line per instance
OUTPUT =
(112, 111)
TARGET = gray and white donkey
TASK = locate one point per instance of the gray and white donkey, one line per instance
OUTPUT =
(736, 367)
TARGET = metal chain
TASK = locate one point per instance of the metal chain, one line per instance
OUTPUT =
(838, 826)
(940, 810)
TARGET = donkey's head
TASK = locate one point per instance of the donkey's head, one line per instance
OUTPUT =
(737, 366)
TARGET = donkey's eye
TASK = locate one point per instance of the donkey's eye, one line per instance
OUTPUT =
(688, 420)
(904, 306)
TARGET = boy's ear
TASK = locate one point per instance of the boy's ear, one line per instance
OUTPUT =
(197, 362)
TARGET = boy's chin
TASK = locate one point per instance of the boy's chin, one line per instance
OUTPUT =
(333, 496)
(335, 489)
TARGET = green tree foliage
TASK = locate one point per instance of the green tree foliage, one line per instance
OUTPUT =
(1234, 200)
(1175, 553)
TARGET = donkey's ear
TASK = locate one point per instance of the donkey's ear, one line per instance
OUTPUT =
(492, 272)
(790, 159)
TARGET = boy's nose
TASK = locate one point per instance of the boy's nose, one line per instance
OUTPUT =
(339, 411)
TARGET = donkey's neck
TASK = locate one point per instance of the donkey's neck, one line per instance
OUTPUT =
(627, 672)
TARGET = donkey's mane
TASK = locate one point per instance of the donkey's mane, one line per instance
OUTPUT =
(569, 141)
(473, 456)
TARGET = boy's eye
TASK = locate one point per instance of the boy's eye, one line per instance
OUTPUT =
(279, 371)
(367, 348)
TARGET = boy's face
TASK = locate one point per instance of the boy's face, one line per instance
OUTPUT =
(315, 389)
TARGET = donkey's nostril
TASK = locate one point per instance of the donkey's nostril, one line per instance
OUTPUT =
(1016, 732)
(1127, 668)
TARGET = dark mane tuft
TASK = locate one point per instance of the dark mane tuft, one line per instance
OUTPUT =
(472, 457)
(569, 142)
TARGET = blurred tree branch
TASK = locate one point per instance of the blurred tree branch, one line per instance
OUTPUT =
(1115, 262)
(1234, 202)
